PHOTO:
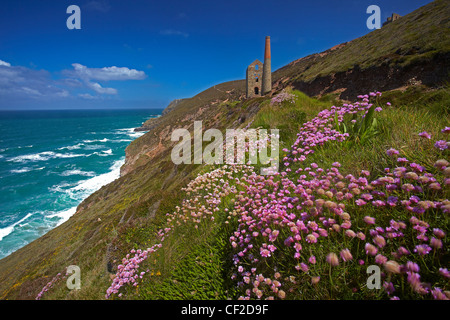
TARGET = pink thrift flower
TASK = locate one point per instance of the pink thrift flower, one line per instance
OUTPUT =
(361, 236)
(389, 287)
(380, 259)
(444, 272)
(436, 243)
(315, 280)
(422, 249)
(379, 241)
(438, 294)
(310, 238)
(264, 252)
(370, 249)
(369, 220)
(392, 152)
(425, 134)
(439, 233)
(392, 266)
(441, 144)
(304, 267)
(332, 259)
(412, 267)
(346, 255)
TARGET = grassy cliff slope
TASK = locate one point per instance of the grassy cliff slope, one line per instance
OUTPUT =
(197, 262)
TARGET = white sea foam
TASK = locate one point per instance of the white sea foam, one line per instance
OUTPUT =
(93, 147)
(44, 156)
(122, 140)
(22, 170)
(60, 187)
(130, 132)
(96, 140)
(81, 191)
(86, 187)
(7, 230)
(25, 169)
(77, 172)
(74, 147)
(103, 153)
(63, 215)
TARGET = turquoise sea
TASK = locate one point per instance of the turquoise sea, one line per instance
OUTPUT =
(51, 160)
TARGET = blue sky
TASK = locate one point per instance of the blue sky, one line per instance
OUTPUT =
(143, 54)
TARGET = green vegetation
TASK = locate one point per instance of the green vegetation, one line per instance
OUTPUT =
(195, 260)
(419, 36)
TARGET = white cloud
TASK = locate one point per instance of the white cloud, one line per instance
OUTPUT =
(170, 32)
(101, 6)
(87, 75)
(99, 89)
(31, 91)
(87, 96)
(21, 83)
(108, 73)
(4, 63)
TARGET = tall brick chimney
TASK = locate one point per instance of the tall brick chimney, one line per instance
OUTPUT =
(267, 69)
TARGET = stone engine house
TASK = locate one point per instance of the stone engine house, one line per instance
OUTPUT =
(254, 79)
(259, 75)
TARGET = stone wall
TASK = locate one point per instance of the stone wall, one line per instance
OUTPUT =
(254, 79)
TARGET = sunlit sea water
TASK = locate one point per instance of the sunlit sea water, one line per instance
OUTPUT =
(52, 160)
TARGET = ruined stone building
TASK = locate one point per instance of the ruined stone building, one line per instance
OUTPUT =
(259, 75)
(392, 18)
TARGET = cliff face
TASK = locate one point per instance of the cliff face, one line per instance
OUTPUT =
(207, 106)
(409, 51)
(349, 84)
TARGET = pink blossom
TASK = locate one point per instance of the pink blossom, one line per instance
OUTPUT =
(425, 134)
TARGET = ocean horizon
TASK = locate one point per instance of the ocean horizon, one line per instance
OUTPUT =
(51, 160)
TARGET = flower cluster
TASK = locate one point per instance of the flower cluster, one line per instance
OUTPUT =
(49, 285)
(127, 272)
(278, 217)
(283, 96)
(302, 224)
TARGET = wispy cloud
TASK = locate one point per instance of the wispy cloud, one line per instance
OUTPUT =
(97, 5)
(3, 63)
(19, 83)
(22, 82)
(99, 89)
(171, 32)
(108, 73)
(86, 75)
(87, 96)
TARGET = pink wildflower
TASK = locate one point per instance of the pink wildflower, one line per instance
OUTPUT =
(392, 152)
(332, 259)
(425, 134)
(441, 144)
(346, 255)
